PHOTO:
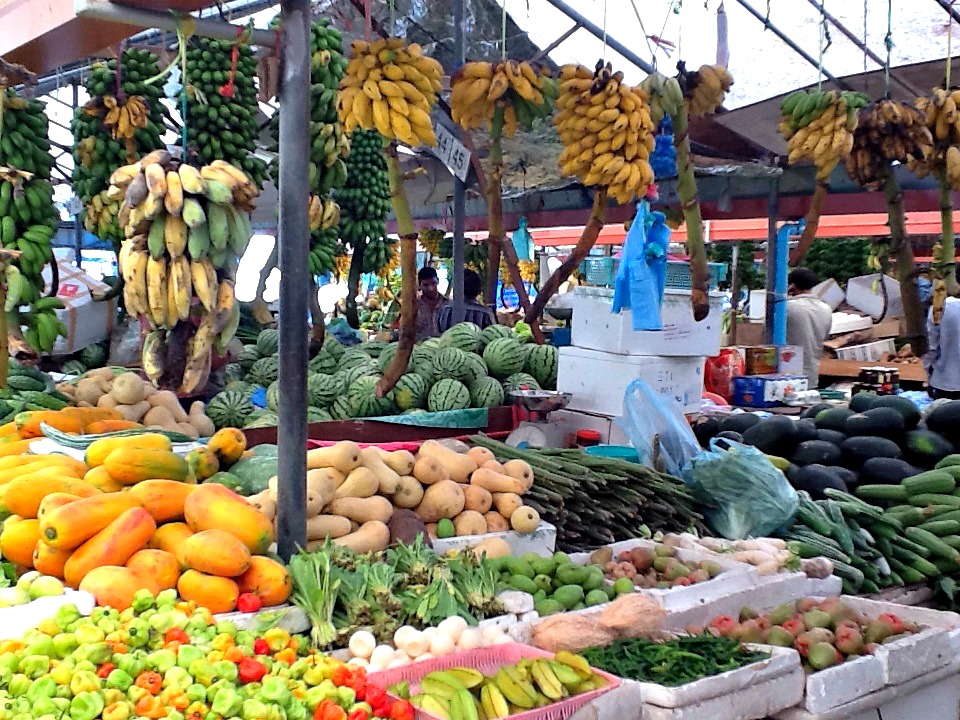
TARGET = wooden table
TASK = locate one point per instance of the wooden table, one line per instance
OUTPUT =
(831, 367)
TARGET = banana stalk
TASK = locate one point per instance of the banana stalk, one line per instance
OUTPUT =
(903, 254)
(17, 347)
(588, 238)
(408, 275)
(687, 189)
(261, 313)
(945, 265)
(319, 331)
(353, 285)
(812, 223)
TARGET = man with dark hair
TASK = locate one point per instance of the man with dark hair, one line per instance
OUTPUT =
(429, 303)
(808, 321)
(942, 361)
(473, 311)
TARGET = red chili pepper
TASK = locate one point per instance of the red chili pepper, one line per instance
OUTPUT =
(105, 669)
(401, 710)
(250, 670)
(260, 646)
(329, 710)
(249, 603)
(359, 714)
(176, 635)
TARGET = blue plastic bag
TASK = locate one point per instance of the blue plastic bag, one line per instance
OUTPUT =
(657, 427)
(641, 276)
(745, 495)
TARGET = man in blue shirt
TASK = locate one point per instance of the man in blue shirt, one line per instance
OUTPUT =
(474, 312)
(942, 361)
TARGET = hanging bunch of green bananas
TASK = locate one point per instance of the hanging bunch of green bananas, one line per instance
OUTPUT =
(222, 104)
(379, 254)
(28, 219)
(365, 199)
(475, 254)
(430, 239)
(96, 152)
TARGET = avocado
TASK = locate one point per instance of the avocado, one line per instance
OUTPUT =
(857, 450)
(910, 412)
(876, 422)
(549, 606)
(832, 419)
(811, 412)
(885, 471)
(739, 423)
(862, 401)
(831, 436)
(816, 452)
(945, 419)
(817, 478)
(732, 435)
(595, 597)
(706, 428)
(775, 435)
(523, 584)
(926, 448)
(568, 595)
(806, 430)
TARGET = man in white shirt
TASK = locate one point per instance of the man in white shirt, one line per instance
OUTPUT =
(942, 361)
(808, 321)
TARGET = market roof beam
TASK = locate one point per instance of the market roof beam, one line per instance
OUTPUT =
(556, 43)
(948, 6)
(789, 43)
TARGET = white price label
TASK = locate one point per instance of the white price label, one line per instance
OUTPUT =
(451, 152)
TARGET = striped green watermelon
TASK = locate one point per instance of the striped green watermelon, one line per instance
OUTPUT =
(359, 371)
(323, 362)
(352, 358)
(273, 395)
(315, 414)
(520, 381)
(386, 357)
(431, 344)
(410, 392)
(421, 362)
(268, 342)
(242, 386)
(504, 357)
(248, 356)
(75, 367)
(494, 332)
(542, 363)
(341, 409)
(448, 394)
(340, 381)
(486, 392)
(464, 336)
(363, 399)
(476, 369)
(373, 348)
(333, 346)
(262, 418)
(231, 373)
(322, 390)
(230, 409)
(264, 371)
(450, 363)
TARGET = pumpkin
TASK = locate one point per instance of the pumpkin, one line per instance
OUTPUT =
(157, 564)
(217, 594)
(214, 552)
(212, 507)
(113, 545)
(267, 579)
(115, 586)
(228, 445)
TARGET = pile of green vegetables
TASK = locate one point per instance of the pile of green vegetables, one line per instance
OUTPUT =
(672, 663)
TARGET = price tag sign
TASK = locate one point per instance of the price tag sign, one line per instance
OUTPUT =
(451, 152)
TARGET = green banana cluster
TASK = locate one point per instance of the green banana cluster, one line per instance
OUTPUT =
(23, 139)
(365, 197)
(96, 154)
(221, 127)
(324, 249)
(378, 254)
(802, 107)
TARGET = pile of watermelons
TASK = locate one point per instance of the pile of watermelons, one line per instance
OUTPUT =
(877, 440)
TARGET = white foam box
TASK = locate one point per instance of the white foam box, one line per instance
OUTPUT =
(598, 380)
(830, 292)
(596, 327)
(757, 701)
(869, 352)
(17, 619)
(865, 294)
(541, 541)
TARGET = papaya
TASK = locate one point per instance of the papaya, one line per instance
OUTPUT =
(18, 541)
(163, 499)
(267, 579)
(214, 552)
(228, 445)
(157, 564)
(99, 427)
(73, 524)
(213, 506)
(22, 496)
(16, 447)
(46, 468)
(53, 501)
(100, 478)
(91, 415)
(113, 545)
(98, 450)
(217, 594)
(115, 586)
(28, 423)
(129, 465)
(203, 462)
(169, 536)
(49, 560)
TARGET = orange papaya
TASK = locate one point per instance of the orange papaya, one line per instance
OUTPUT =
(228, 445)
(163, 499)
(50, 560)
(214, 552)
(53, 501)
(267, 579)
(157, 564)
(132, 465)
(214, 506)
(217, 594)
(18, 541)
(115, 586)
(28, 423)
(100, 479)
(169, 536)
(73, 524)
(22, 496)
(98, 450)
(113, 545)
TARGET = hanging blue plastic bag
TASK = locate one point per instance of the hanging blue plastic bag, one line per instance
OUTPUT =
(744, 494)
(656, 427)
(631, 252)
(523, 241)
(641, 277)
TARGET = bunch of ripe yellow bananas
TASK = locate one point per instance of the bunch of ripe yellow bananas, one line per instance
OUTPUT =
(430, 239)
(390, 87)
(704, 89)
(324, 213)
(525, 93)
(342, 266)
(124, 119)
(185, 230)
(886, 133)
(819, 126)
(606, 130)
(941, 115)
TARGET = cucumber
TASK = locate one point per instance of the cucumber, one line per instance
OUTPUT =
(889, 493)
(810, 515)
(908, 573)
(907, 518)
(910, 545)
(952, 540)
(935, 545)
(839, 530)
(941, 527)
(924, 499)
(932, 481)
(849, 573)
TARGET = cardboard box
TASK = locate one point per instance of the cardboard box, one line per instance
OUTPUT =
(748, 333)
(790, 360)
(762, 391)
(87, 322)
(760, 360)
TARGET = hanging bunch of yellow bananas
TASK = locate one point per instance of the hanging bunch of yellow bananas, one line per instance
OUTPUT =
(888, 132)
(606, 130)
(324, 213)
(185, 229)
(524, 91)
(818, 126)
(704, 89)
(390, 87)
(529, 270)
(941, 115)
(430, 239)
(123, 119)
(391, 266)
(341, 266)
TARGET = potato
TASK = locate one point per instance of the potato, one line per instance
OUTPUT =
(409, 492)
(444, 499)
(477, 499)
(496, 522)
(469, 522)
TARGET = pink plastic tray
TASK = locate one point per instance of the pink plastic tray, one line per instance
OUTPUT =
(488, 660)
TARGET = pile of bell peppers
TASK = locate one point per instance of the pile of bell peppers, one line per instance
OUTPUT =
(167, 660)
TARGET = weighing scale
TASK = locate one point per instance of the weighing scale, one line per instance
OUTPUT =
(538, 431)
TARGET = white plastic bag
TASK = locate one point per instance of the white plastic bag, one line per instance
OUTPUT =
(650, 420)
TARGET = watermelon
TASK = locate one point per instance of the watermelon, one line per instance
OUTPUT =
(273, 395)
(542, 362)
(94, 356)
(340, 379)
(75, 367)
(315, 414)
(262, 418)
(231, 373)
(476, 369)
(494, 332)
(230, 409)
(264, 371)
(410, 392)
(520, 381)
(463, 336)
(359, 371)
(448, 394)
(504, 357)
(333, 346)
(341, 410)
(363, 399)
(243, 387)
(248, 356)
(268, 342)
(373, 348)
(322, 390)
(431, 344)
(486, 392)
(386, 357)
(323, 362)
(421, 362)
(450, 363)
(352, 358)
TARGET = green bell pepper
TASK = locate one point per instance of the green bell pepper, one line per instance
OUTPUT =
(196, 693)
(44, 706)
(66, 615)
(138, 632)
(86, 706)
(119, 679)
(43, 645)
(253, 710)
(64, 644)
(275, 690)
(98, 653)
(177, 678)
(42, 688)
(19, 685)
(347, 697)
(227, 628)
(143, 600)
(225, 670)
(163, 621)
(161, 660)
(188, 654)
(167, 599)
(117, 711)
(84, 681)
(34, 666)
(10, 661)
(318, 693)
(203, 672)
(296, 711)
(133, 663)
(88, 634)
(174, 714)
(226, 702)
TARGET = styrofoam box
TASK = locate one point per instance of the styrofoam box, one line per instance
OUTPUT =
(17, 619)
(830, 292)
(865, 297)
(599, 380)
(596, 327)
(870, 352)
(541, 541)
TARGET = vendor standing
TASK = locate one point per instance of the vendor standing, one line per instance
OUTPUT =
(942, 361)
(808, 321)
(428, 304)
(473, 310)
